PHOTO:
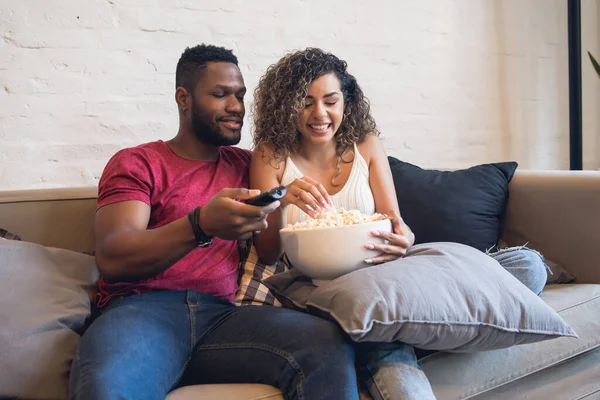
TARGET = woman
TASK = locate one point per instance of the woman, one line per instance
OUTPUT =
(315, 135)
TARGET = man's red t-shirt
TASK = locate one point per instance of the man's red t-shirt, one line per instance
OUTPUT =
(173, 186)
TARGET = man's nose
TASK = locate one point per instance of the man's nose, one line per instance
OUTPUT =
(234, 104)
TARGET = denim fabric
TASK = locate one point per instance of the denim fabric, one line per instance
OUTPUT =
(144, 346)
(525, 264)
(391, 371)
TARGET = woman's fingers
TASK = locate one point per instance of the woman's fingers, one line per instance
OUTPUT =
(387, 249)
(381, 259)
(394, 247)
(319, 192)
(309, 195)
(308, 203)
(309, 187)
(393, 238)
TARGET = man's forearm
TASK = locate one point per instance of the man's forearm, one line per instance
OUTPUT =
(134, 255)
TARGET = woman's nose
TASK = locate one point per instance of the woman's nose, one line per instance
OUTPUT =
(320, 110)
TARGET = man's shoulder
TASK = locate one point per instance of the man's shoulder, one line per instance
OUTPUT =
(237, 155)
(148, 149)
(145, 153)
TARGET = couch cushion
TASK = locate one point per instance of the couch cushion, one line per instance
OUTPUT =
(226, 392)
(464, 206)
(458, 376)
(440, 296)
(44, 302)
(576, 378)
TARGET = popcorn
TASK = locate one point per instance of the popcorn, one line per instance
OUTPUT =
(335, 218)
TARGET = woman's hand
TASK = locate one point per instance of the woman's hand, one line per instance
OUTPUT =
(308, 195)
(398, 241)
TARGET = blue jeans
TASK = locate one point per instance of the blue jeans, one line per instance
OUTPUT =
(144, 346)
(391, 371)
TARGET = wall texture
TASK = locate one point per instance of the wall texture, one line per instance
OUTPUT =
(452, 82)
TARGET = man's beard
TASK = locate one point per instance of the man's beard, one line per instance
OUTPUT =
(209, 132)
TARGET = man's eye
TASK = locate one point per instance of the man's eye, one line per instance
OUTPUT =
(218, 95)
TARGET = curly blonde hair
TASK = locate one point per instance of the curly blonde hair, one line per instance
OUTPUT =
(280, 97)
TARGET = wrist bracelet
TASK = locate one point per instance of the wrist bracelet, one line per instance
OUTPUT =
(202, 240)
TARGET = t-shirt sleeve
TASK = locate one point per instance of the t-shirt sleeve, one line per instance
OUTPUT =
(245, 157)
(127, 176)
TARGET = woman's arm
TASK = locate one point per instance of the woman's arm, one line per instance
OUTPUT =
(305, 193)
(380, 175)
(264, 175)
(384, 194)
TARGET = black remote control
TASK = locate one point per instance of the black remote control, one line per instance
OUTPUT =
(266, 198)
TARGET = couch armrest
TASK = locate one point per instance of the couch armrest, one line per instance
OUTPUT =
(558, 213)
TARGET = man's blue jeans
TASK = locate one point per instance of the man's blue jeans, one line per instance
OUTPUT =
(143, 346)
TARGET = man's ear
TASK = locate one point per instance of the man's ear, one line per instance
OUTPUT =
(183, 99)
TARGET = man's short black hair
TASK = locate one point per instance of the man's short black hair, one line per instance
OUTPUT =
(195, 58)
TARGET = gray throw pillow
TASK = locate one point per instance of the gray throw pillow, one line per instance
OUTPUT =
(44, 302)
(440, 296)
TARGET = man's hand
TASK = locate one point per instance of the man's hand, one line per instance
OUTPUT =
(399, 241)
(225, 217)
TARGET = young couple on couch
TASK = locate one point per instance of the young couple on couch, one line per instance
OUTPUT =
(169, 217)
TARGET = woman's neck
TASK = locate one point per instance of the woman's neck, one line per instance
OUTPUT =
(322, 155)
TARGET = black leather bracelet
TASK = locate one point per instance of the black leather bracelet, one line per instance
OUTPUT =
(202, 239)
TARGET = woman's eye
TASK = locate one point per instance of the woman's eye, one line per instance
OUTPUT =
(307, 105)
(331, 103)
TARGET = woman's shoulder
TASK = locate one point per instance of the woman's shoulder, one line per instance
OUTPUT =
(264, 156)
(266, 153)
(370, 147)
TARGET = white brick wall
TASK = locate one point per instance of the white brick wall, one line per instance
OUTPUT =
(452, 82)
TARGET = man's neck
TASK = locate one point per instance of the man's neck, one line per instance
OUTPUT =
(187, 145)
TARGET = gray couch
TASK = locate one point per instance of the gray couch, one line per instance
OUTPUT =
(557, 213)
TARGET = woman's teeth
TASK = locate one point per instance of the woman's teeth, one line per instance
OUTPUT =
(319, 127)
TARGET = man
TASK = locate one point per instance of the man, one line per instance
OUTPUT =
(166, 227)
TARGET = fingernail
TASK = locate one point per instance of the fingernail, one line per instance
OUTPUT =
(375, 233)
(368, 261)
(369, 246)
(325, 204)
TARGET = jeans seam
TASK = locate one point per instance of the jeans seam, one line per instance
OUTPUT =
(192, 314)
(283, 354)
(378, 384)
(76, 360)
(192, 343)
(179, 375)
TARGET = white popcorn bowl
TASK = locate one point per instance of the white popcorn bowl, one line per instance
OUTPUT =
(323, 254)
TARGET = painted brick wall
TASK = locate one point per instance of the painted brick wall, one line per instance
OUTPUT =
(452, 82)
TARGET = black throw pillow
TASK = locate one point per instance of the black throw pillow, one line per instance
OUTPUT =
(463, 206)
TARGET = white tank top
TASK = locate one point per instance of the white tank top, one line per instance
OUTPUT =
(355, 195)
